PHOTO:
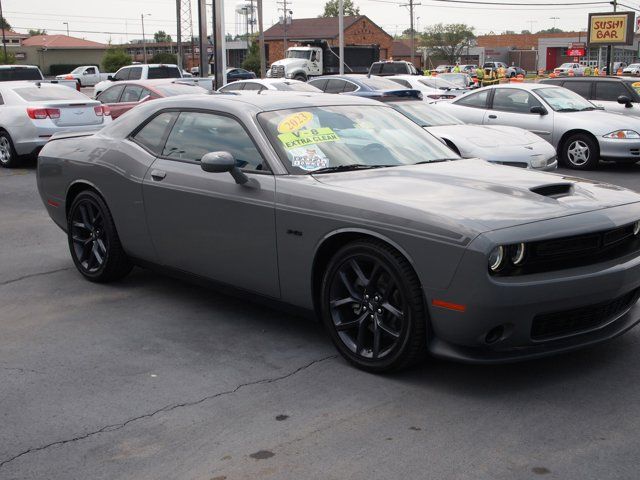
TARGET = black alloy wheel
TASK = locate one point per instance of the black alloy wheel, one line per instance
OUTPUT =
(373, 307)
(93, 240)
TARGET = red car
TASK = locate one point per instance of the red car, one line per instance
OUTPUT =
(123, 96)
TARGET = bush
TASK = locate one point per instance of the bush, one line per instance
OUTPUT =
(10, 59)
(114, 59)
(171, 58)
(252, 60)
(62, 68)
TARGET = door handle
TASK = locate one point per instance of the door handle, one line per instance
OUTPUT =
(493, 116)
(158, 175)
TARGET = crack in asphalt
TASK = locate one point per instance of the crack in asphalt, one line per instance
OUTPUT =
(168, 408)
(31, 275)
(21, 370)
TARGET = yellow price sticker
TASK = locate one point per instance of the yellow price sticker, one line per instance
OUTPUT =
(635, 84)
(294, 122)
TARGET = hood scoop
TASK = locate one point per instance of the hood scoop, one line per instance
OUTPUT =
(554, 190)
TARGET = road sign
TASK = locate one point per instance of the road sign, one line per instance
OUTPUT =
(611, 28)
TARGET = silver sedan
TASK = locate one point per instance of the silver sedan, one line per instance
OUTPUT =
(581, 133)
(31, 113)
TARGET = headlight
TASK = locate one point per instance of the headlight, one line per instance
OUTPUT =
(496, 258)
(636, 228)
(289, 75)
(518, 253)
(538, 162)
(622, 134)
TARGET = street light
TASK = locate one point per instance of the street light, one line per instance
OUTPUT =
(144, 42)
(67, 24)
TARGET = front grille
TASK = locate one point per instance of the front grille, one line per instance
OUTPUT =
(277, 71)
(570, 322)
(515, 164)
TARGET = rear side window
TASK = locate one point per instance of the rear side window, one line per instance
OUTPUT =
(253, 86)
(476, 100)
(152, 136)
(334, 86)
(131, 93)
(349, 87)
(37, 94)
(163, 72)
(581, 88)
(110, 95)
(610, 91)
(320, 83)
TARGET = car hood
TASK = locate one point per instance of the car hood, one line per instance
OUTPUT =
(291, 62)
(479, 195)
(599, 122)
(487, 136)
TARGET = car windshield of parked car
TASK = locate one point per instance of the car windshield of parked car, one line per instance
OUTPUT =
(458, 79)
(37, 94)
(564, 100)
(566, 65)
(78, 70)
(424, 115)
(440, 83)
(304, 54)
(313, 139)
(296, 87)
(633, 65)
(172, 89)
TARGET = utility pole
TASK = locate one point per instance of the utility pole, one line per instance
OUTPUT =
(202, 39)
(144, 41)
(341, 34)
(67, 24)
(4, 40)
(609, 48)
(179, 34)
(285, 16)
(263, 60)
(218, 36)
(412, 32)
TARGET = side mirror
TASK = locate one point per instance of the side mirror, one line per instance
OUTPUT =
(626, 101)
(110, 77)
(538, 109)
(218, 162)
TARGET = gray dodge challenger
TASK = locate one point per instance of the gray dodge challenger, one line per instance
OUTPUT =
(344, 207)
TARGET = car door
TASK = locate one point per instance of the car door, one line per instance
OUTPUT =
(606, 96)
(315, 63)
(206, 223)
(512, 107)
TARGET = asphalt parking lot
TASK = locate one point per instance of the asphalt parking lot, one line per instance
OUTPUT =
(154, 378)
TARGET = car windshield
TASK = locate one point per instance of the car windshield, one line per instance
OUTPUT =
(42, 93)
(172, 89)
(566, 65)
(424, 114)
(435, 82)
(458, 79)
(564, 100)
(634, 65)
(304, 54)
(296, 87)
(78, 70)
(348, 137)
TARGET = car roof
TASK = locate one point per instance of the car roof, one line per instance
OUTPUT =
(266, 81)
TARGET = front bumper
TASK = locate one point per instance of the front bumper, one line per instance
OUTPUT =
(619, 150)
(514, 302)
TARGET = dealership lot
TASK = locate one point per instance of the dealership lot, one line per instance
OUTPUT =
(156, 378)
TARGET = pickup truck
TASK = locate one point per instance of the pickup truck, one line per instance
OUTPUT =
(565, 69)
(30, 73)
(139, 72)
(86, 76)
(388, 68)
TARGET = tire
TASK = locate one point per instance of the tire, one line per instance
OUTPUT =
(580, 152)
(372, 307)
(93, 240)
(301, 77)
(8, 156)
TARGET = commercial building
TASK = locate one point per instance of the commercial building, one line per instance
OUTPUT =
(47, 50)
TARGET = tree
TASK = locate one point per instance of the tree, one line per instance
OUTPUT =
(448, 41)
(407, 33)
(525, 32)
(164, 58)
(37, 31)
(10, 59)
(252, 61)
(114, 59)
(4, 24)
(551, 30)
(332, 7)
(161, 36)
(509, 32)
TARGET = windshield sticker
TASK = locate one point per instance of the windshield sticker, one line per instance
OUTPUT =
(309, 158)
(305, 137)
(294, 122)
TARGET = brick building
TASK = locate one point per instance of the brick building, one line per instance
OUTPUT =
(358, 30)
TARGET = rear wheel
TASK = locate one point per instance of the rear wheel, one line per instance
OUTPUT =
(93, 240)
(372, 306)
(580, 152)
(8, 156)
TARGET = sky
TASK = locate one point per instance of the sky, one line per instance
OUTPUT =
(119, 20)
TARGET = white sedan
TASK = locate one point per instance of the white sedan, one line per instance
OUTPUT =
(497, 144)
(432, 88)
(259, 84)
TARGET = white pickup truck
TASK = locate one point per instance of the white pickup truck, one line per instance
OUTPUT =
(86, 76)
(139, 72)
(30, 73)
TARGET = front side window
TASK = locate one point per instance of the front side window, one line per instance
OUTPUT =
(122, 74)
(320, 83)
(110, 95)
(314, 138)
(91, 71)
(153, 134)
(514, 100)
(610, 91)
(475, 100)
(196, 133)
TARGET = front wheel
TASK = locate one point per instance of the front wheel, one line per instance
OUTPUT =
(580, 152)
(301, 77)
(372, 306)
(93, 240)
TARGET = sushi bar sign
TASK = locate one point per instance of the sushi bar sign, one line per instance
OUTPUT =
(611, 28)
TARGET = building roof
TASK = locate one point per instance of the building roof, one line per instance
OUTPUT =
(60, 41)
(11, 33)
(311, 28)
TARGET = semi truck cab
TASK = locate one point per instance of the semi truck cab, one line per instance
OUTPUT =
(299, 63)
